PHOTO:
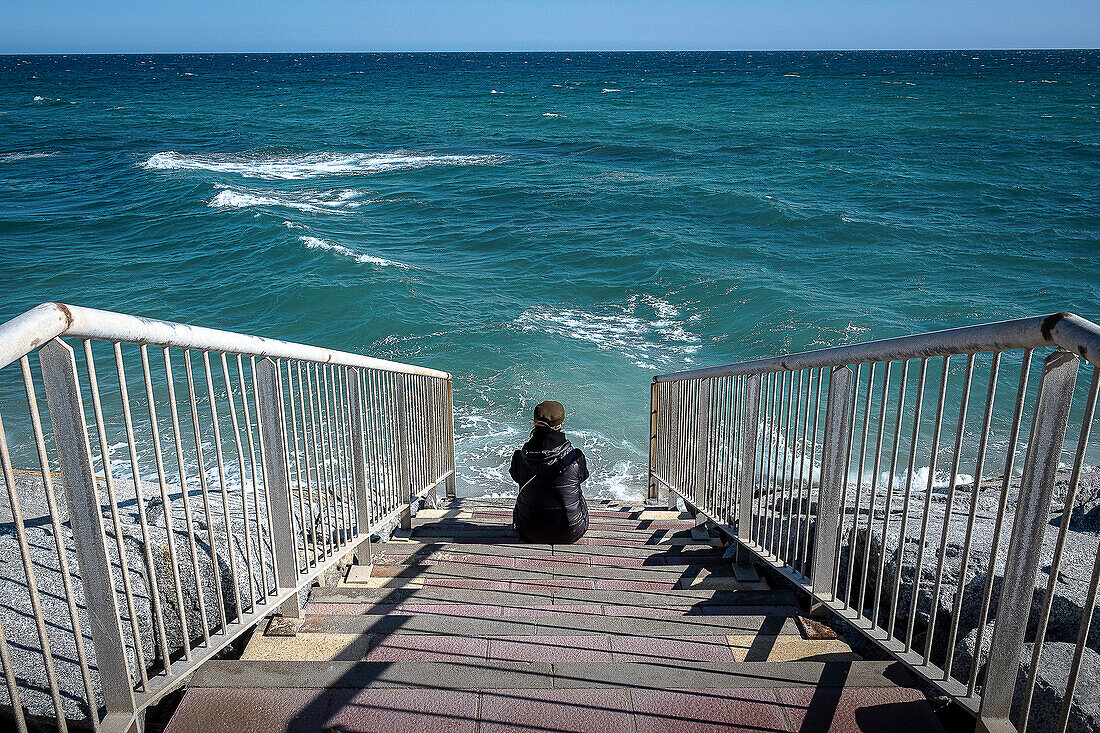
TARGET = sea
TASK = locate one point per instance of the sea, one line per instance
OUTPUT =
(555, 225)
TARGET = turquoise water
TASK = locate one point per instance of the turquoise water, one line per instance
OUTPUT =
(555, 225)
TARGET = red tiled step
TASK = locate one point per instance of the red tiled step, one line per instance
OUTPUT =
(405, 710)
(485, 610)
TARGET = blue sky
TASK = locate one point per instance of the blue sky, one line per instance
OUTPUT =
(92, 26)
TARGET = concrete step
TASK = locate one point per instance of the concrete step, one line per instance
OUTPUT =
(488, 577)
(552, 648)
(511, 554)
(549, 625)
(643, 710)
(554, 596)
(597, 520)
(665, 674)
(535, 571)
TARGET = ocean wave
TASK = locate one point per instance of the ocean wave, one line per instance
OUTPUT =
(649, 331)
(313, 202)
(311, 165)
(484, 444)
(12, 157)
(324, 244)
(605, 91)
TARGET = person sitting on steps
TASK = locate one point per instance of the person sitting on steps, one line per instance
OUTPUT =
(550, 507)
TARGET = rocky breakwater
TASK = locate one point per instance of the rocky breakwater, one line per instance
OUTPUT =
(981, 577)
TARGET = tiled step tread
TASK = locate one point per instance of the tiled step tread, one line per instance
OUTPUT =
(668, 674)
(642, 599)
(578, 610)
(530, 571)
(551, 648)
(550, 625)
(898, 710)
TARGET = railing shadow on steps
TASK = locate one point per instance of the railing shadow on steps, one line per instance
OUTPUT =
(878, 479)
(207, 478)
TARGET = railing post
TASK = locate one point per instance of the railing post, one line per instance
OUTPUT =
(750, 428)
(1044, 448)
(653, 493)
(449, 405)
(363, 500)
(702, 445)
(269, 392)
(404, 472)
(834, 446)
(86, 520)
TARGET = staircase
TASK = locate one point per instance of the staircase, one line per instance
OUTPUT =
(458, 626)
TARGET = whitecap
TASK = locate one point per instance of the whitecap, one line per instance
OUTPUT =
(324, 244)
(648, 331)
(42, 99)
(309, 165)
(605, 91)
(309, 201)
(12, 157)
(551, 114)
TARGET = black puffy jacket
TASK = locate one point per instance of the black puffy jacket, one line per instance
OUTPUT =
(550, 507)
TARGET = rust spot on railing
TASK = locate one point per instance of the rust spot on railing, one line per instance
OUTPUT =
(1048, 324)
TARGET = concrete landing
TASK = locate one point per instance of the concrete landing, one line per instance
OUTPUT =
(461, 627)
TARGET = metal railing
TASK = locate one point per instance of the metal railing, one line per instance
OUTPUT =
(207, 478)
(894, 482)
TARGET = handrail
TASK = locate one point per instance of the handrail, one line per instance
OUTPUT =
(841, 471)
(255, 465)
(37, 326)
(1070, 331)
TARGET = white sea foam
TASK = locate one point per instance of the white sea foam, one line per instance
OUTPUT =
(12, 157)
(605, 91)
(311, 165)
(648, 331)
(551, 114)
(310, 201)
(324, 244)
(485, 443)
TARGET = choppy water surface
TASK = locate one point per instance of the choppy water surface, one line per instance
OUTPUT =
(555, 225)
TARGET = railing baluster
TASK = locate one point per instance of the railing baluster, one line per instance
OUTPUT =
(139, 497)
(71, 437)
(932, 461)
(1010, 460)
(702, 441)
(449, 438)
(833, 453)
(651, 491)
(207, 513)
(223, 485)
(955, 458)
(359, 465)
(166, 504)
(1044, 448)
(116, 519)
(273, 437)
(750, 429)
(177, 440)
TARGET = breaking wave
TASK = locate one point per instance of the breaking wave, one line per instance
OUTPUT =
(648, 331)
(484, 444)
(13, 157)
(311, 201)
(309, 165)
(324, 244)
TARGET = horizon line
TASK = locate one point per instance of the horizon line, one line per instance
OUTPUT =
(543, 51)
